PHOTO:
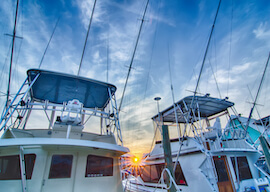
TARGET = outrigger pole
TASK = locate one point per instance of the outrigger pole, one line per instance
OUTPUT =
(12, 50)
(205, 54)
(41, 61)
(198, 81)
(254, 103)
(131, 62)
(87, 36)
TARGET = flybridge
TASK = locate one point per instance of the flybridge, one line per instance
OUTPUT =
(204, 106)
(75, 96)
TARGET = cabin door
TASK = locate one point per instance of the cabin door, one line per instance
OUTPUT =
(60, 172)
(223, 172)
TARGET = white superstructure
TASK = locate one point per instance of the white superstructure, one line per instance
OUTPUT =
(62, 153)
(206, 156)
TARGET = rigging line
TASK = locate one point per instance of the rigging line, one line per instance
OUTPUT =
(255, 108)
(12, 50)
(41, 61)
(131, 62)
(215, 79)
(4, 66)
(108, 54)
(151, 56)
(172, 91)
(174, 107)
(230, 53)
(150, 65)
(87, 36)
(251, 110)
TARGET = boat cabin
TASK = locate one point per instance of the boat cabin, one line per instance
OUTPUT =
(51, 140)
(208, 152)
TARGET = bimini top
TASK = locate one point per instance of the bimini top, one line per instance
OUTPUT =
(58, 88)
(208, 106)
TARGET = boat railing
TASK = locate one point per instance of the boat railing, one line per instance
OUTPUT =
(47, 106)
(232, 137)
(172, 182)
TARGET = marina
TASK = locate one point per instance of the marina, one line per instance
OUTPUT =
(90, 96)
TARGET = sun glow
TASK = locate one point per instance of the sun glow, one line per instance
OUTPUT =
(133, 165)
(135, 160)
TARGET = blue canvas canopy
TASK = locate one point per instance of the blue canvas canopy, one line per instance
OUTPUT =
(58, 88)
(208, 106)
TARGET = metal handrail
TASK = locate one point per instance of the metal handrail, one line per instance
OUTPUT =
(162, 180)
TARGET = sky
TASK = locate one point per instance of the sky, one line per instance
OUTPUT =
(170, 51)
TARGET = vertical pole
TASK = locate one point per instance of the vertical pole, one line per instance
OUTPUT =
(52, 117)
(23, 173)
(167, 154)
(133, 55)
(68, 131)
(11, 57)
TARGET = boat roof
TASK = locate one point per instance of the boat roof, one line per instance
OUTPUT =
(59, 87)
(208, 106)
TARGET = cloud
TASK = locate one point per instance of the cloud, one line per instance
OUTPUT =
(262, 32)
(86, 8)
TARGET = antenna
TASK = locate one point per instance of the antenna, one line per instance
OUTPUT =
(157, 99)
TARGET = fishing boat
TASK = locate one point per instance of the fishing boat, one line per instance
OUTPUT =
(61, 132)
(206, 156)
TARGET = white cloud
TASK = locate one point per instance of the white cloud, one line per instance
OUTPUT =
(263, 31)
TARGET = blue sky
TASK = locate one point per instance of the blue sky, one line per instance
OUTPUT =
(175, 31)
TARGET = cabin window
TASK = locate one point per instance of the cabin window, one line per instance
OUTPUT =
(152, 174)
(10, 166)
(98, 166)
(146, 176)
(156, 172)
(61, 166)
(179, 176)
(243, 168)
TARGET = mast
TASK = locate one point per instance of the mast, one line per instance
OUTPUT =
(12, 50)
(251, 110)
(131, 62)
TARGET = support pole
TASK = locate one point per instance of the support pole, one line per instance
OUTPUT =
(168, 154)
(23, 173)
